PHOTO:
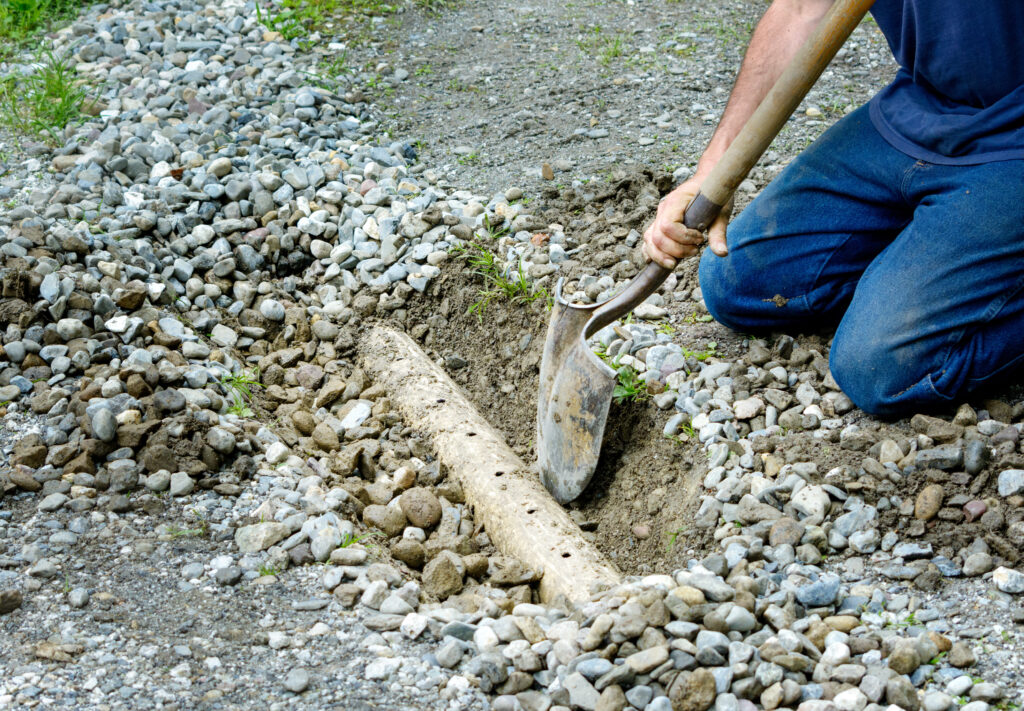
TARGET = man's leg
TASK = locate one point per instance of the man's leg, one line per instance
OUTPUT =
(940, 312)
(811, 233)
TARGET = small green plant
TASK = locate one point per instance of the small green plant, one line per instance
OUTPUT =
(349, 539)
(629, 387)
(611, 50)
(200, 531)
(238, 387)
(1005, 634)
(909, 621)
(44, 101)
(266, 569)
(499, 284)
(673, 536)
(694, 317)
(67, 583)
(938, 658)
(469, 159)
(708, 352)
(179, 532)
(21, 19)
(666, 328)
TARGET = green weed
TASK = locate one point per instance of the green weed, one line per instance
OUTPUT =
(238, 387)
(611, 50)
(673, 536)
(455, 84)
(199, 531)
(499, 283)
(708, 352)
(694, 317)
(268, 570)
(45, 101)
(297, 18)
(21, 19)
(628, 386)
(349, 540)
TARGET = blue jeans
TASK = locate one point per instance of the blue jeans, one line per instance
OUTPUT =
(920, 267)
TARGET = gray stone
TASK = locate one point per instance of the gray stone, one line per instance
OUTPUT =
(79, 597)
(190, 571)
(1011, 482)
(260, 536)
(977, 564)
(272, 310)
(819, 593)
(229, 575)
(53, 502)
(1008, 580)
(181, 484)
(297, 680)
(104, 425)
(582, 695)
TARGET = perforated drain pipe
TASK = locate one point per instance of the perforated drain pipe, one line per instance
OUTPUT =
(519, 515)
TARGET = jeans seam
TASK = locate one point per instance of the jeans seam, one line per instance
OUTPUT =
(908, 174)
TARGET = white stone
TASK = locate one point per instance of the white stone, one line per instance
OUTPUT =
(277, 453)
(1008, 580)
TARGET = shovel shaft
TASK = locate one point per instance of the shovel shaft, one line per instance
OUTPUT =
(748, 146)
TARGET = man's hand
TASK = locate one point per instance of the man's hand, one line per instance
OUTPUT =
(667, 241)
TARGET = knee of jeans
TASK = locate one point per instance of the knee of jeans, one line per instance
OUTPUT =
(724, 294)
(867, 370)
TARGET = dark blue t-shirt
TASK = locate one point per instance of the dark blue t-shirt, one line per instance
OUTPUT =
(958, 98)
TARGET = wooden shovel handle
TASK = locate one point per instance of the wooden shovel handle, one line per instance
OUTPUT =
(748, 146)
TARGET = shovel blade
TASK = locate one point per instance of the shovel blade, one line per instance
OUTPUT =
(572, 406)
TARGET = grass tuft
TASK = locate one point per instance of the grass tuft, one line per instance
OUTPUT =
(238, 387)
(22, 19)
(44, 101)
(295, 19)
(499, 283)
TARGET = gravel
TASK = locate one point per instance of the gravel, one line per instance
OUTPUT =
(206, 503)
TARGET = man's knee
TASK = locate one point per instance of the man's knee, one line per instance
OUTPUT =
(874, 372)
(726, 294)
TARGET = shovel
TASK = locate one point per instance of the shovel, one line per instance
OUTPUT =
(575, 385)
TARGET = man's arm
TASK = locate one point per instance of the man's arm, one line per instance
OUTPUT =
(780, 33)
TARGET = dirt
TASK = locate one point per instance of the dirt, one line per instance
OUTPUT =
(497, 89)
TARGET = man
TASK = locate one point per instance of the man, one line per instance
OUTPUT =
(903, 225)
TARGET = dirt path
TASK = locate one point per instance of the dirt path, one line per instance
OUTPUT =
(496, 89)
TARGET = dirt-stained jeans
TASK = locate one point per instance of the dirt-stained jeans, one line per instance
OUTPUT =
(920, 265)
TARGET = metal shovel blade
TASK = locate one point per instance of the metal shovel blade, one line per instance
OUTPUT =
(572, 405)
(576, 386)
